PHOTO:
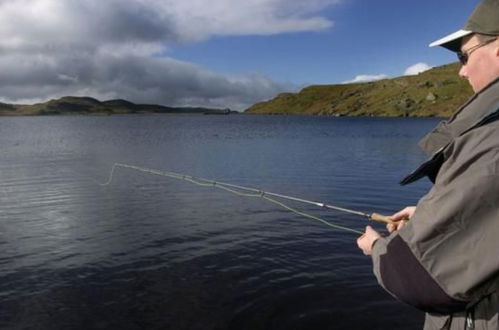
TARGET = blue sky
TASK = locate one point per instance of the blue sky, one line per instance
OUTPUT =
(217, 53)
(368, 37)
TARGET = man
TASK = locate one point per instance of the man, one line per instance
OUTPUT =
(445, 259)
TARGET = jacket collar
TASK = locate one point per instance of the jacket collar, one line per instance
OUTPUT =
(469, 114)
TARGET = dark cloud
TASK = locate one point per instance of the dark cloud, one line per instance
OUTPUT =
(109, 49)
(144, 80)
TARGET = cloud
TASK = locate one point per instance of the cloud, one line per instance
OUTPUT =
(416, 69)
(88, 23)
(366, 78)
(412, 70)
(115, 48)
(144, 80)
(195, 19)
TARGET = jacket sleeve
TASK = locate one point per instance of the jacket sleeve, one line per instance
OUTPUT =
(401, 274)
(446, 257)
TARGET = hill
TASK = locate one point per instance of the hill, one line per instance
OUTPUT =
(433, 93)
(72, 105)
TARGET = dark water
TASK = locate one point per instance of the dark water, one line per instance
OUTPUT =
(148, 252)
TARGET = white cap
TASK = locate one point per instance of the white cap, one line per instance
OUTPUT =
(452, 41)
(483, 20)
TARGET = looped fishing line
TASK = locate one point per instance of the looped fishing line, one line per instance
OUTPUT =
(237, 190)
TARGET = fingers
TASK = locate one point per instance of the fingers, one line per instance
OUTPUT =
(400, 219)
(391, 227)
(370, 231)
(366, 241)
(401, 224)
(404, 214)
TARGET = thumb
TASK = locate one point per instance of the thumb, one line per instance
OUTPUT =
(370, 232)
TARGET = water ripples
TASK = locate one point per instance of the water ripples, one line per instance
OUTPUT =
(149, 252)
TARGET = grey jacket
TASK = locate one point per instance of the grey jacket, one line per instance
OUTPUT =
(445, 261)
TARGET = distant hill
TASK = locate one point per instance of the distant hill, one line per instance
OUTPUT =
(72, 105)
(433, 93)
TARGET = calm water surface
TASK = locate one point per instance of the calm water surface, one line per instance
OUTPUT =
(147, 252)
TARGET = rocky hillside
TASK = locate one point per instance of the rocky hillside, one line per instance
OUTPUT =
(71, 105)
(433, 93)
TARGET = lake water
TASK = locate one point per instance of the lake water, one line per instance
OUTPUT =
(148, 252)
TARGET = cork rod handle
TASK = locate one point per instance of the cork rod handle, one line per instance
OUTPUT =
(381, 218)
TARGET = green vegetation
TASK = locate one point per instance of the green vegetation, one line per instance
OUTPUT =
(434, 93)
(71, 105)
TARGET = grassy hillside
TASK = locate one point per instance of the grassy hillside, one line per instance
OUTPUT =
(436, 92)
(71, 105)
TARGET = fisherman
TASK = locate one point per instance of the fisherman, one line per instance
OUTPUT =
(445, 259)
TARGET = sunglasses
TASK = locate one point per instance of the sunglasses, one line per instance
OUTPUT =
(465, 55)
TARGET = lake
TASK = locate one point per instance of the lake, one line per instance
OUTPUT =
(149, 252)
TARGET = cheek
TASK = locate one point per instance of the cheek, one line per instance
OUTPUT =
(473, 79)
(481, 74)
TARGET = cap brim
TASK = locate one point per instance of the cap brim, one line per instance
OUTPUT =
(452, 41)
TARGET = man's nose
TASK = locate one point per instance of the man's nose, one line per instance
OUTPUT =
(463, 72)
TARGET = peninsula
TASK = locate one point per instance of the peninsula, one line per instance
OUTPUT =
(434, 93)
(72, 105)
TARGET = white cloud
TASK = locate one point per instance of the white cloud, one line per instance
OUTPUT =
(366, 78)
(412, 70)
(50, 48)
(201, 19)
(92, 22)
(416, 69)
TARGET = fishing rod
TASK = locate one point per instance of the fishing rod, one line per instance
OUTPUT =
(256, 193)
(371, 216)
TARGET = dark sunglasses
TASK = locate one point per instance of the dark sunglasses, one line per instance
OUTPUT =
(464, 55)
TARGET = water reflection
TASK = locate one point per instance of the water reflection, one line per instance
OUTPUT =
(148, 252)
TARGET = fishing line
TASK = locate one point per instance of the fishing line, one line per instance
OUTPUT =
(253, 193)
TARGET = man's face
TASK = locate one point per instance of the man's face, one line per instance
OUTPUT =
(483, 62)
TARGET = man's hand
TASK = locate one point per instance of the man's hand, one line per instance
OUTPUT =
(400, 218)
(366, 241)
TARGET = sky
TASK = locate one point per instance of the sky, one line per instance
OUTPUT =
(213, 53)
